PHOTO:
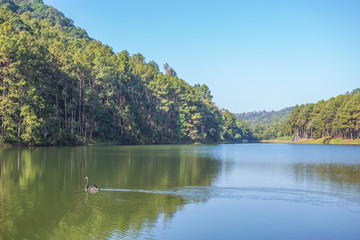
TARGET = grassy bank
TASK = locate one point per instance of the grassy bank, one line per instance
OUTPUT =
(333, 141)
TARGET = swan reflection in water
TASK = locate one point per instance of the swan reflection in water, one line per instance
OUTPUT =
(91, 189)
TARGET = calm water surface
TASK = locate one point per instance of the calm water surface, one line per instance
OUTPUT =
(246, 191)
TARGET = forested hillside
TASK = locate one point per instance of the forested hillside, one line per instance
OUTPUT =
(58, 86)
(266, 124)
(266, 117)
(37, 9)
(337, 117)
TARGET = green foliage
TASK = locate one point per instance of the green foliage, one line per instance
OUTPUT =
(335, 118)
(266, 125)
(234, 130)
(267, 131)
(265, 117)
(37, 9)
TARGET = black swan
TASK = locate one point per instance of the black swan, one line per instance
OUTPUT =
(92, 188)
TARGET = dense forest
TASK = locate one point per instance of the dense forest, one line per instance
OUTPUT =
(58, 86)
(338, 117)
(266, 117)
(266, 124)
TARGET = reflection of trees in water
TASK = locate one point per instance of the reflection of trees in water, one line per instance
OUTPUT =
(123, 214)
(41, 191)
(164, 167)
(339, 175)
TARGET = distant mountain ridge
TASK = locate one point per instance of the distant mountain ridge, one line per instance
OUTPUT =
(266, 117)
(273, 117)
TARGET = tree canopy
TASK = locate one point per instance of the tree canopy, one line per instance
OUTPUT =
(338, 117)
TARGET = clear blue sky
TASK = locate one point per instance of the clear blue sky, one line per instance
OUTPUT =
(253, 55)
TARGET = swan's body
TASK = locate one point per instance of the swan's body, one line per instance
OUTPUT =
(92, 188)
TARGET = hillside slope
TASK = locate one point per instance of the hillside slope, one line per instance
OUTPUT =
(266, 117)
(37, 9)
(337, 117)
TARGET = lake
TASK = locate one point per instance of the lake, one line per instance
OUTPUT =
(235, 191)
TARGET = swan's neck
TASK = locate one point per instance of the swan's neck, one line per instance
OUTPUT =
(87, 184)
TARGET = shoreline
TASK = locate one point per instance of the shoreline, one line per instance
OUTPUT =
(319, 141)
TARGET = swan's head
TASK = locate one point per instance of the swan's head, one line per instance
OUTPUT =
(86, 178)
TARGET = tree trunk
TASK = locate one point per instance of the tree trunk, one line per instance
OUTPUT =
(94, 114)
(57, 102)
(19, 123)
(80, 129)
(3, 109)
(85, 130)
(66, 120)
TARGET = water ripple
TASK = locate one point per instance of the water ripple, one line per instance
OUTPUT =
(254, 193)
